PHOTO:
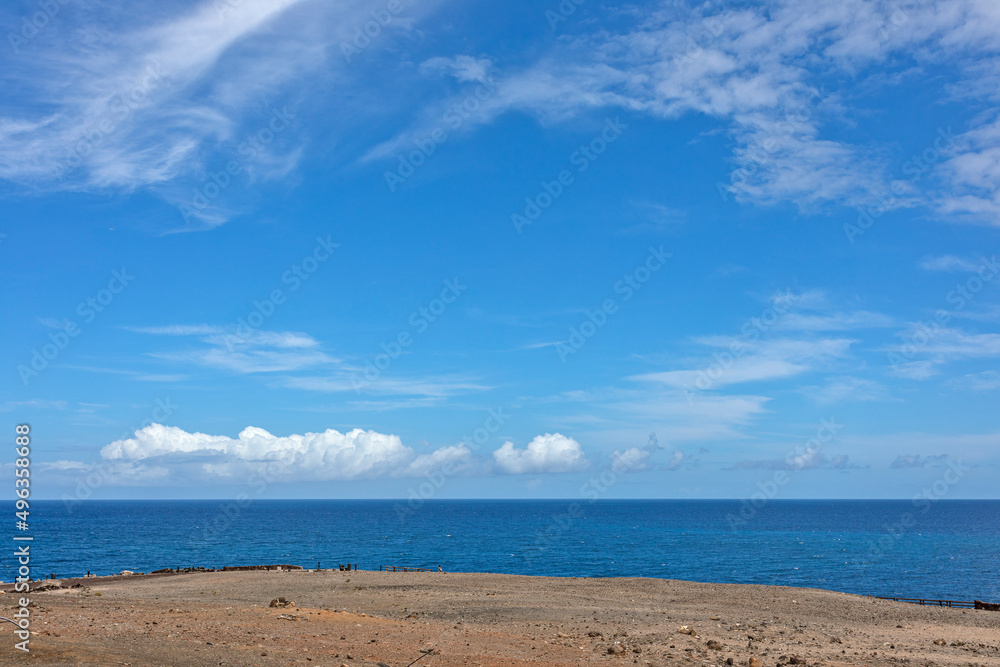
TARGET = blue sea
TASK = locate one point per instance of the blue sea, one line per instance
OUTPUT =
(948, 550)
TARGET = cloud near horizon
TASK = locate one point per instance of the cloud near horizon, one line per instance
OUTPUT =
(917, 461)
(327, 456)
(809, 459)
(552, 452)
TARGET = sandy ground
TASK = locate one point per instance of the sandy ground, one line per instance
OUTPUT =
(390, 619)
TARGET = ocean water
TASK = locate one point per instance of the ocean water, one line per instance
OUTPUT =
(948, 550)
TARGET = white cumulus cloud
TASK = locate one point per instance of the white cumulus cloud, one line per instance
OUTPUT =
(175, 454)
(329, 455)
(552, 452)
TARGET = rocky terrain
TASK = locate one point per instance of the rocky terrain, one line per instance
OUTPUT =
(369, 619)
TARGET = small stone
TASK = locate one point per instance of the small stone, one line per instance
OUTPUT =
(616, 649)
(714, 645)
(835, 640)
(754, 662)
(594, 633)
(940, 642)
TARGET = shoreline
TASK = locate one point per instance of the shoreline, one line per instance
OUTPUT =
(90, 580)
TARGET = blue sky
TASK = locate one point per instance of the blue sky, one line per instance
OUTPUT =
(378, 249)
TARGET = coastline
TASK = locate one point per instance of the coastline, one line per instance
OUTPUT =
(367, 618)
(835, 545)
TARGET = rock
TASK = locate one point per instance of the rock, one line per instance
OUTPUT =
(281, 603)
(594, 633)
(715, 618)
(558, 634)
(940, 642)
(127, 573)
(835, 640)
(714, 645)
(47, 587)
(616, 649)
(754, 662)
(247, 568)
(685, 630)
